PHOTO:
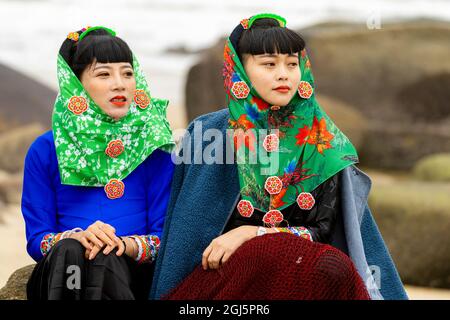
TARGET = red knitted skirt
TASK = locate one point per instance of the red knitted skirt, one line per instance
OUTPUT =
(276, 266)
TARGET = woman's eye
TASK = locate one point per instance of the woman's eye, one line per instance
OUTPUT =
(129, 74)
(269, 64)
(293, 64)
(104, 74)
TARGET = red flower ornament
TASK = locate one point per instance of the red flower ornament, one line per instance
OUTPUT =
(305, 90)
(244, 23)
(141, 98)
(77, 105)
(240, 89)
(305, 201)
(114, 189)
(245, 208)
(115, 148)
(273, 185)
(271, 142)
(273, 218)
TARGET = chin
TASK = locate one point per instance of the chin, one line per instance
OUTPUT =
(117, 116)
(280, 103)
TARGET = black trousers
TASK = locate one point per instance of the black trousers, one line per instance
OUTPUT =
(65, 274)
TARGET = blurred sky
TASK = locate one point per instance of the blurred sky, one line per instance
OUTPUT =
(32, 31)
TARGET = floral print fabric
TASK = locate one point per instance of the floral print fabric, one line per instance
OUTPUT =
(303, 145)
(92, 148)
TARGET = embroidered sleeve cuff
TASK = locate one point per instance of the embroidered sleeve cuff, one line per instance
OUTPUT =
(48, 241)
(298, 231)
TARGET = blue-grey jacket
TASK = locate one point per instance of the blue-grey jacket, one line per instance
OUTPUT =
(204, 195)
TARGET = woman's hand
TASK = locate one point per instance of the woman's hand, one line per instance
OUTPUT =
(96, 236)
(222, 247)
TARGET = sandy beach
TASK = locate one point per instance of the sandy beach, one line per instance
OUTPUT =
(13, 254)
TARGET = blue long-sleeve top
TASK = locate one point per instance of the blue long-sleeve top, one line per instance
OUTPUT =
(49, 206)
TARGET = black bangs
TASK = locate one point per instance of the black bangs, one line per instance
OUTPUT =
(98, 46)
(266, 36)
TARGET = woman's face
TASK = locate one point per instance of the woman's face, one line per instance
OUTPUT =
(275, 77)
(111, 86)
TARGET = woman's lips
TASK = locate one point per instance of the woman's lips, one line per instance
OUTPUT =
(119, 101)
(282, 89)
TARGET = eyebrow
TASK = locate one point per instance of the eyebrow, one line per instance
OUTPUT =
(108, 67)
(274, 55)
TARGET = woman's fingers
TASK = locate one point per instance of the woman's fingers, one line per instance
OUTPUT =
(121, 248)
(92, 238)
(215, 257)
(225, 258)
(86, 243)
(94, 252)
(109, 248)
(205, 257)
(99, 233)
(118, 243)
(110, 231)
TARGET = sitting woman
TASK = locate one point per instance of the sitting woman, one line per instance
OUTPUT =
(288, 219)
(96, 186)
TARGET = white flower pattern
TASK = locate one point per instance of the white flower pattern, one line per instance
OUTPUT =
(81, 140)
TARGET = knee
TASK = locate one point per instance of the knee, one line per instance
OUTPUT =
(68, 246)
(335, 266)
(106, 258)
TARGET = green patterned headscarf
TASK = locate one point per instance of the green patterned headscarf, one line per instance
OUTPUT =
(303, 145)
(92, 148)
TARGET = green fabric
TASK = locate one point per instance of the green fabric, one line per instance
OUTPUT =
(81, 139)
(311, 147)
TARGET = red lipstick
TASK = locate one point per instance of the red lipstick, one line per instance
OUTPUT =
(118, 101)
(282, 89)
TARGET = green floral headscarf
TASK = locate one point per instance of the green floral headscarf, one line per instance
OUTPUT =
(303, 145)
(92, 148)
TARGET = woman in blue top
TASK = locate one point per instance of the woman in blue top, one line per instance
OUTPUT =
(96, 187)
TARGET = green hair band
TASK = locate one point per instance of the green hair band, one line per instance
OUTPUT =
(281, 20)
(113, 33)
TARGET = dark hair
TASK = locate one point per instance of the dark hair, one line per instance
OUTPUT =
(98, 45)
(266, 36)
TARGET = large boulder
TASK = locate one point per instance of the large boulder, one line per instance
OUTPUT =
(414, 219)
(433, 168)
(349, 120)
(16, 287)
(14, 144)
(396, 76)
(24, 100)
(399, 146)
(376, 70)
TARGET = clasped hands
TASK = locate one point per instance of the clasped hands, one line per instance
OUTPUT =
(98, 236)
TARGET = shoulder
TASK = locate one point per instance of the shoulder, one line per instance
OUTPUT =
(159, 155)
(357, 175)
(43, 146)
(355, 183)
(41, 156)
(213, 120)
(160, 161)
